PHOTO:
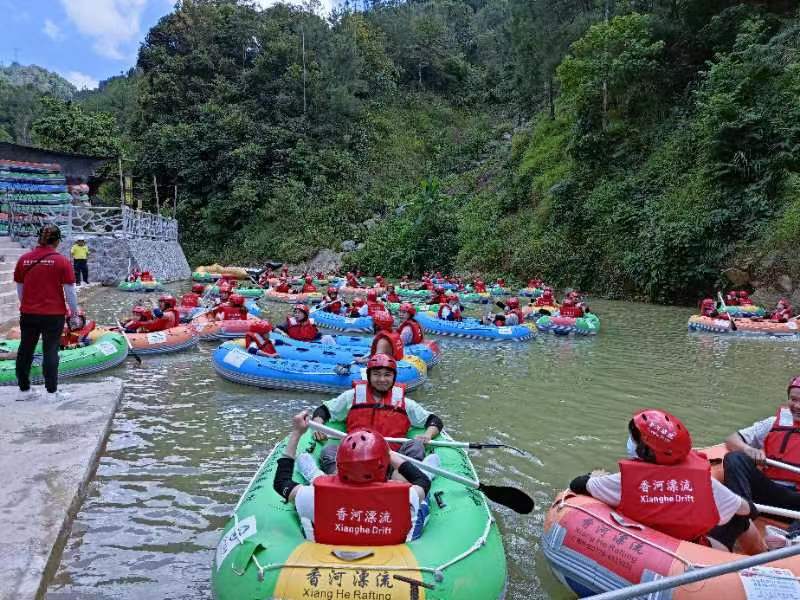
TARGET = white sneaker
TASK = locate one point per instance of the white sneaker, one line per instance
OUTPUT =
(29, 394)
(57, 396)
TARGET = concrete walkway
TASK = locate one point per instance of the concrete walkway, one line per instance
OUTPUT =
(48, 456)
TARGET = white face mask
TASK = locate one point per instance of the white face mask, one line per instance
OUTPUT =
(631, 448)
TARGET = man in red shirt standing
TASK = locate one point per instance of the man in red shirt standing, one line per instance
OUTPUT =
(44, 279)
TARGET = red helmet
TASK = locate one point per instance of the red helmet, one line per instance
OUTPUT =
(665, 437)
(454, 298)
(363, 457)
(383, 320)
(378, 277)
(501, 282)
(169, 300)
(359, 302)
(372, 295)
(302, 308)
(237, 300)
(743, 294)
(142, 312)
(513, 302)
(382, 361)
(309, 279)
(794, 383)
(708, 303)
(262, 327)
(198, 288)
(332, 291)
(408, 308)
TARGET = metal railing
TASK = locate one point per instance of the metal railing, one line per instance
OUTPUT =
(24, 220)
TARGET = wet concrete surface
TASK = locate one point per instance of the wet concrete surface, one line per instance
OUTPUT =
(48, 455)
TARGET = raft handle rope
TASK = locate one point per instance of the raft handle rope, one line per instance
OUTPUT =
(687, 563)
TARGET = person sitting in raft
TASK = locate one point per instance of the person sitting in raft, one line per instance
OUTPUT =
(373, 304)
(747, 474)
(427, 284)
(134, 275)
(358, 308)
(76, 332)
(381, 404)
(410, 330)
(501, 283)
(744, 298)
(352, 280)
(513, 313)
(385, 341)
(783, 312)
(535, 283)
(479, 285)
(232, 310)
(263, 279)
(439, 296)
(368, 479)
(299, 327)
(570, 309)
(308, 285)
(146, 276)
(380, 281)
(331, 302)
(451, 311)
(145, 321)
(141, 317)
(166, 313)
(708, 308)
(284, 272)
(224, 290)
(391, 294)
(732, 298)
(257, 341)
(662, 464)
(192, 299)
(283, 286)
(546, 299)
(404, 282)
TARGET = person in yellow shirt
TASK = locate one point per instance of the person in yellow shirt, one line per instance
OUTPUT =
(80, 259)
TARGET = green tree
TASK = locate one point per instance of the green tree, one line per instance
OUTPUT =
(65, 126)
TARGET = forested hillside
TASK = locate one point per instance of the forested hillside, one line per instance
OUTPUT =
(633, 148)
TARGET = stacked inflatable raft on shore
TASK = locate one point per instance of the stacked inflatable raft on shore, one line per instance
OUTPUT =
(106, 352)
(263, 554)
(233, 363)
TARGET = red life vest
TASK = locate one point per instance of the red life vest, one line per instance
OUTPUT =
(334, 307)
(304, 332)
(373, 514)
(228, 312)
(417, 336)
(544, 300)
(145, 276)
(783, 444)
(374, 307)
(263, 344)
(352, 281)
(387, 416)
(190, 300)
(708, 307)
(573, 312)
(150, 326)
(392, 297)
(283, 288)
(675, 499)
(394, 339)
(781, 316)
(455, 315)
(439, 299)
(479, 287)
(71, 338)
(309, 288)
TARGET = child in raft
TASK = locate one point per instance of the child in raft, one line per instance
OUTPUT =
(76, 332)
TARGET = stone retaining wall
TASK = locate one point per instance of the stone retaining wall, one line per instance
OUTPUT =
(110, 258)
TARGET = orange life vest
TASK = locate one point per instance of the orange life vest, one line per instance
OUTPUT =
(675, 499)
(373, 514)
(398, 351)
(385, 415)
(783, 444)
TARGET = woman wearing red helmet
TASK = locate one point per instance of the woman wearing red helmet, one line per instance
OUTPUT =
(380, 404)
(783, 312)
(232, 310)
(299, 327)
(776, 438)
(391, 294)
(385, 341)
(141, 318)
(308, 285)
(358, 308)
(192, 299)
(410, 330)
(666, 485)
(257, 341)
(512, 312)
(166, 314)
(452, 309)
(373, 304)
(439, 296)
(283, 286)
(361, 485)
(224, 290)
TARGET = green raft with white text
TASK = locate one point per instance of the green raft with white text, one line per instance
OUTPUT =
(263, 554)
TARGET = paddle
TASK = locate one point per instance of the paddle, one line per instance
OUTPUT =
(467, 445)
(513, 498)
(730, 317)
(782, 465)
(130, 346)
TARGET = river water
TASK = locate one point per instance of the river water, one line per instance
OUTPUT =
(184, 443)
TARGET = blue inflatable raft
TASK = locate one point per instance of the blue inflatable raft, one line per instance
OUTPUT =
(233, 363)
(346, 349)
(335, 322)
(473, 329)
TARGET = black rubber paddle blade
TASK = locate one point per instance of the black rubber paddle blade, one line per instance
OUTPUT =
(515, 499)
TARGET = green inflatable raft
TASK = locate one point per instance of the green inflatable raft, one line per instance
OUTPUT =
(204, 277)
(263, 554)
(246, 292)
(108, 351)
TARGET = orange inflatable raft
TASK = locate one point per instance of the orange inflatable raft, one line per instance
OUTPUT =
(593, 549)
(274, 296)
(745, 327)
(209, 329)
(173, 339)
